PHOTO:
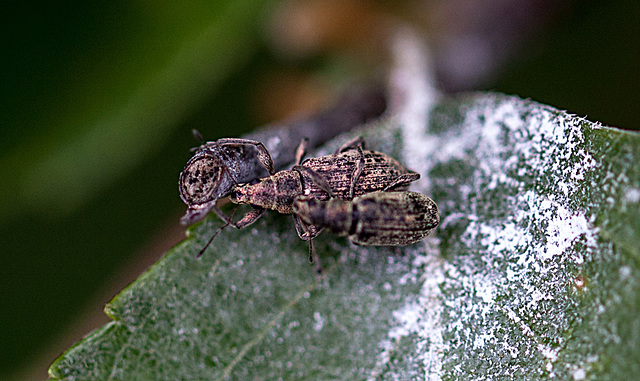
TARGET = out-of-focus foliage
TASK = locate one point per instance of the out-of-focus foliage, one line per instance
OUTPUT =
(101, 98)
(125, 109)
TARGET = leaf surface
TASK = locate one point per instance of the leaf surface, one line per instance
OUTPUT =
(533, 272)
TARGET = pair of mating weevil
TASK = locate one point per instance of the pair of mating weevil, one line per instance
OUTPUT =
(354, 192)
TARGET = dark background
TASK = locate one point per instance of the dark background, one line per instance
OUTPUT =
(72, 236)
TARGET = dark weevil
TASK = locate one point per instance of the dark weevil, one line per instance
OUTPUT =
(215, 170)
(373, 219)
(218, 166)
(348, 173)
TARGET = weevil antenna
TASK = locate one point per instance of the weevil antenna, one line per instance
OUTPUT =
(199, 138)
(197, 135)
(216, 233)
(313, 256)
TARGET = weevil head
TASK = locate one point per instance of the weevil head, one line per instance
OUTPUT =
(199, 185)
(241, 194)
(310, 210)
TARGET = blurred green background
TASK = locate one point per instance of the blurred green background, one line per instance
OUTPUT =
(98, 101)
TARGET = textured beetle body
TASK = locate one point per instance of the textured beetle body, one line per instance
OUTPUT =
(204, 177)
(278, 191)
(215, 169)
(275, 192)
(373, 219)
(379, 171)
(219, 166)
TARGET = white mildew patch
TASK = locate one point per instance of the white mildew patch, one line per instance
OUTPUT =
(632, 195)
(496, 298)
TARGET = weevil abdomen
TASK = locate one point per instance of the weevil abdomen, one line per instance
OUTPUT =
(379, 170)
(393, 218)
(373, 219)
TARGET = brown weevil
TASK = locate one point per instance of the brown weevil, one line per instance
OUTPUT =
(373, 219)
(348, 173)
(218, 166)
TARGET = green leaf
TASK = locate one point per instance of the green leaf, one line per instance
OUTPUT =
(532, 274)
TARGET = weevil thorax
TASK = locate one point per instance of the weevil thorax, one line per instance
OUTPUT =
(275, 192)
(339, 216)
(334, 214)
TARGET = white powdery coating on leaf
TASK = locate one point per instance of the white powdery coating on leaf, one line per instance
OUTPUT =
(548, 147)
(413, 96)
(507, 237)
(318, 321)
(632, 195)
(431, 345)
(515, 263)
(421, 318)
(579, 374)
(564, 227)
(408, 318)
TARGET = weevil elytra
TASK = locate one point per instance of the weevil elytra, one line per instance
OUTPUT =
(348, 173)
(373, 219)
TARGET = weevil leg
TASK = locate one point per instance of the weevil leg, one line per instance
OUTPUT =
(313, 257)
(216, 233)
(301, 150)
(357, 171)
(302, 233)
(263, 154)
(223, 216)
(305, 232)
(249, 218)
(351, 144)
(211, 239)
(308, 233)
(317, 178)
(299, 229)
(402, 180)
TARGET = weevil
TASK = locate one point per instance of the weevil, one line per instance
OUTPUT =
(218, 166)
(350, 172)
(373, 219)
(215, 169)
